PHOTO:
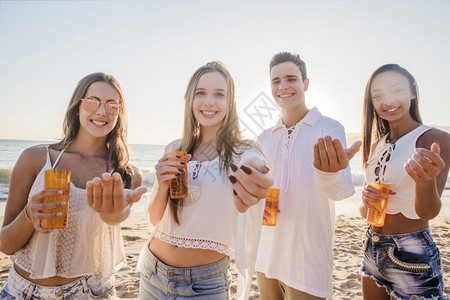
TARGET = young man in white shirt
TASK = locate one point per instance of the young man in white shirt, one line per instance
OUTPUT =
(310, 167)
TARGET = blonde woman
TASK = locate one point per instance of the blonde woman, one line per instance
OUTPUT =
(188, 254)
(77, 262)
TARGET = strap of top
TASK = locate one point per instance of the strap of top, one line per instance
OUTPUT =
(59, 156)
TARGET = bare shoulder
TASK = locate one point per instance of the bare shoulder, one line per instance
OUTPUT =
(434, 135)
(137, 179)
(33, 157)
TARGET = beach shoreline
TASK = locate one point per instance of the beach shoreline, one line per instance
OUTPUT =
(347, 254)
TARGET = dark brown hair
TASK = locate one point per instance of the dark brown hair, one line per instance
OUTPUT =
(372, 124)
(289, 57)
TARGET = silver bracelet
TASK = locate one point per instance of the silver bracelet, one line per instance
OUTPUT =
(26, 215)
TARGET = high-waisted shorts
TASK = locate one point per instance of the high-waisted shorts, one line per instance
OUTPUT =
(406, 264)
(160, 281)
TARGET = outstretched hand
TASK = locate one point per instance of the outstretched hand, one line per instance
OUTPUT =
(251, 181)
(330, 155)
(425, 165)
(107, 195)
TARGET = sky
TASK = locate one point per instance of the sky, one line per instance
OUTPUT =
(153, 47)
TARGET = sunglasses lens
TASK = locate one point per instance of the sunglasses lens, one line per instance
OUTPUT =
(112, 108)
(91, 105)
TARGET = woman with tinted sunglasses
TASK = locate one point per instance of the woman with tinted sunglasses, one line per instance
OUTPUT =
(77, 262)
(401, 260)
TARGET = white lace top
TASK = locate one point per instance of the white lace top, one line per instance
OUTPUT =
(208, 216)
(88, 246)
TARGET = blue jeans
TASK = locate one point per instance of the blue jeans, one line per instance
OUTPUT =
(406, 264)
(88, 287)
(160, 281)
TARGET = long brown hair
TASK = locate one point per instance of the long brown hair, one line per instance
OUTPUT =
(372, 124)
(229, 137)
(116, 140)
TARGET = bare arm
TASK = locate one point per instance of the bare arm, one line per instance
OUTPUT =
(429, 167)
(17, 229)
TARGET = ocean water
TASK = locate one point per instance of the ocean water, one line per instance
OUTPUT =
(146, 156)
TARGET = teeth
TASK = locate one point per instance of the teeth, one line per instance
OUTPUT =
(284, 96)
(391, 109)
(98, 123)
(209, 113)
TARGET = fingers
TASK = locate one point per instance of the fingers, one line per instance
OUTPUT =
(169, 166)
(117, 197)
(107, 192)
(95, 185)
(38, 210)
(317, 163)
(432, 156)
(371, 194)
(252, 181)
(247, 198)
(340, 153)
(325, 163)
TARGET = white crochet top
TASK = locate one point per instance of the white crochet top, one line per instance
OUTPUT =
(208, 216)
(88, 246)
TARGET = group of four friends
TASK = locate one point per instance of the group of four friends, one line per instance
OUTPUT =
(188, 253)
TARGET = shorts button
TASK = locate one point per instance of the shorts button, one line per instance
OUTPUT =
(171, 274)
(59, 293)
(375, 238)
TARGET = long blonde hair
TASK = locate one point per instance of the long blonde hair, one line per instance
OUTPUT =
(372, 124)
(116, 140)
(229, 137)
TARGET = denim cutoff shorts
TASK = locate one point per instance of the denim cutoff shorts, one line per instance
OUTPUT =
(84, 288)
(160, 281)
(406, 264)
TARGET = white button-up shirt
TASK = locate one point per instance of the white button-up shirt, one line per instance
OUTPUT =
(298, 250)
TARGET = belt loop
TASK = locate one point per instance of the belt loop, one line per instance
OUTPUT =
(155, 266)
(84, 284)
(30, 292)
(395, 239)
(427, 236)
(187, 275)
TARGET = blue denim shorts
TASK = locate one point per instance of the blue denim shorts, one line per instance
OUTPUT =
(88, 287)
(160, 281)
(406, 264)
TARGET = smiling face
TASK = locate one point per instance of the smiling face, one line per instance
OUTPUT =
(288, 86)
(210, 101)
(99, 123)
(391, 96)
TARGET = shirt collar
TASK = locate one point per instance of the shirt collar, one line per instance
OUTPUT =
(311, 118)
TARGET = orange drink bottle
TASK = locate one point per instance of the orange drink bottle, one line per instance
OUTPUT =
(179, 184)
(57, 179)
(271, 207)
(376, 216)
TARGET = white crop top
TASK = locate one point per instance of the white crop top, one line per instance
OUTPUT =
(385, 165)
(88, 246)
(208, 217)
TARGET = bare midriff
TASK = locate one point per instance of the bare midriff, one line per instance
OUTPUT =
(181, 257)
(51, 281)
(398, 224)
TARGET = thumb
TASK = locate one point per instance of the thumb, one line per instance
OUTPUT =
(261, 166)
(435, 147)
(350, 152)
(137, 194)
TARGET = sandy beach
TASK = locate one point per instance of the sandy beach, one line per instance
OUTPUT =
(347, 256)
